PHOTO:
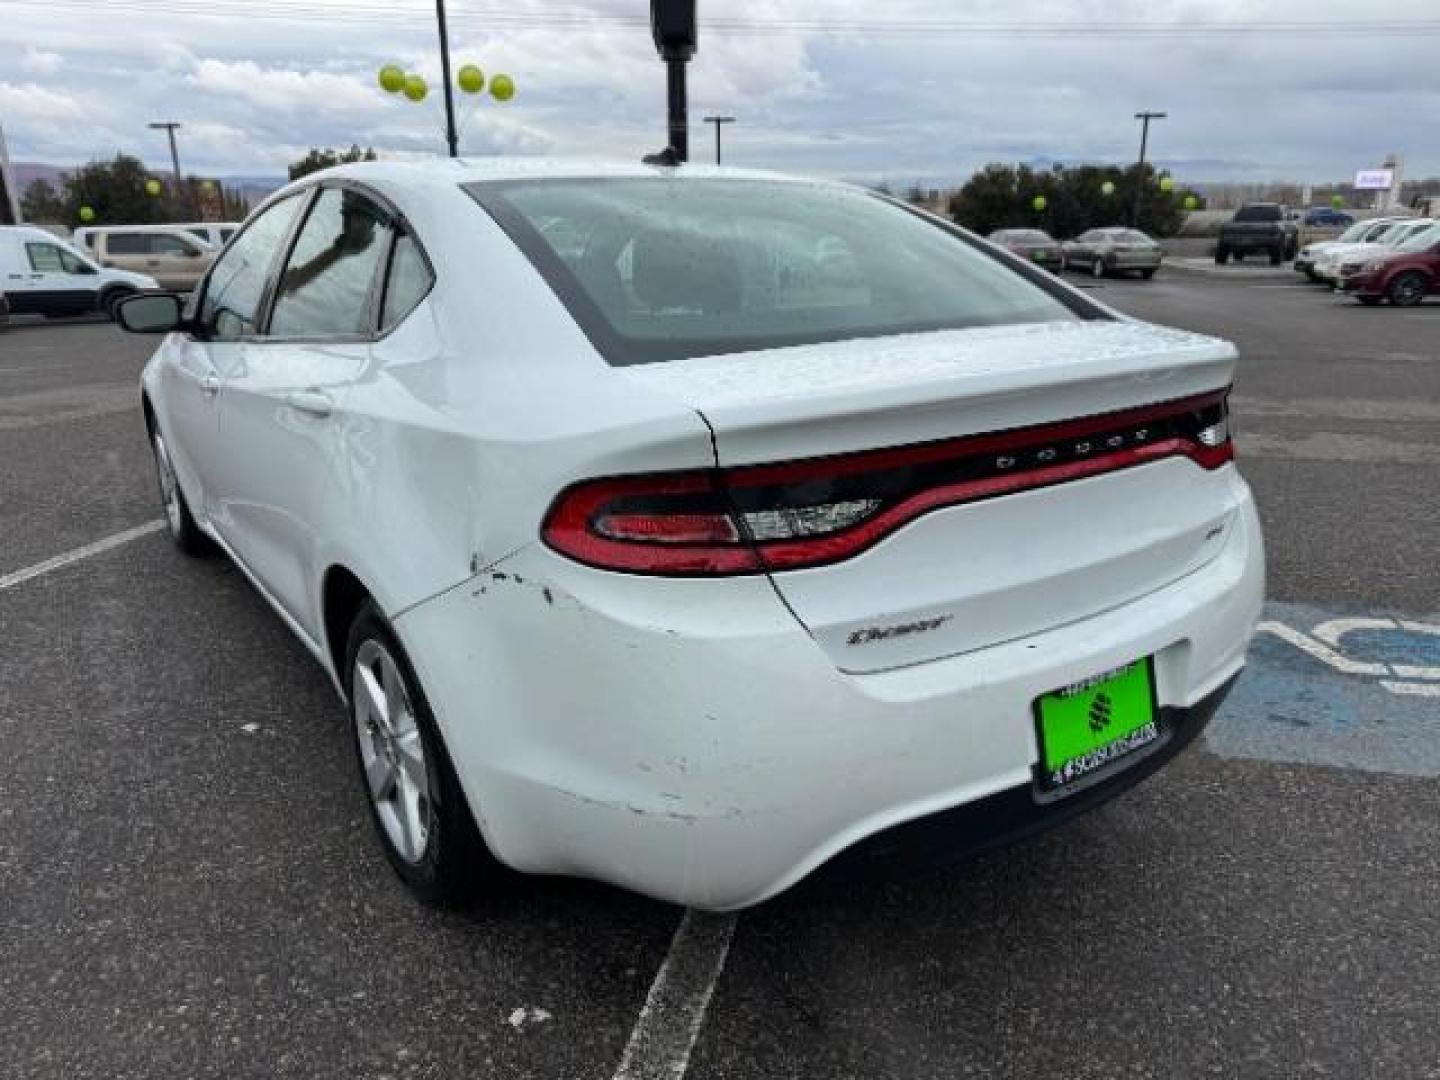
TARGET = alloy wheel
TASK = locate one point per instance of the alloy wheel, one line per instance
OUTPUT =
(1407, 289)
(392, 751)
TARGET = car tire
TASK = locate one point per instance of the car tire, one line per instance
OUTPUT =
(1097, 267)
(183, 530)
(1277, 256)
(1147, 274)
(1222, 256)
(1369, 301)
(1407, 289)
(110, 297)
(417, 806)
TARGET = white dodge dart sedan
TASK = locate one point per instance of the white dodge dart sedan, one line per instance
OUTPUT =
(699, 530)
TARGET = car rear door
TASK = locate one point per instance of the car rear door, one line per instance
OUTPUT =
(281, 406)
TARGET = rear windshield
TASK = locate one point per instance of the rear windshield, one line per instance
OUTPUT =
(663, 269)
(1259, 213)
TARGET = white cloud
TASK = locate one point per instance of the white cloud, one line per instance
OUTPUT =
(38, 62)
(27, 102)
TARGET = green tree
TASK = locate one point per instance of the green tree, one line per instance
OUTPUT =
(115, 190)
(316, 160)
(41, 202)
(1002, 196)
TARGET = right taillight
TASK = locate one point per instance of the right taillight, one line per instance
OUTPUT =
(807, 513)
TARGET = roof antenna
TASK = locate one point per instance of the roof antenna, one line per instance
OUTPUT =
(672, 24)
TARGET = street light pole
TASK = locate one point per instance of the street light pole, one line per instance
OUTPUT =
(169, 126)
(12, 196)
(1144, 118)
(452, 137)
(718, 121)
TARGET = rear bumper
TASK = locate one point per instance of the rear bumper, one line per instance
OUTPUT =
(688, 740)
(1133, 262)
(1267, 242)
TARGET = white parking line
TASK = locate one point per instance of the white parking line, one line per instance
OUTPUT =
(19, 577)
(663, 1036)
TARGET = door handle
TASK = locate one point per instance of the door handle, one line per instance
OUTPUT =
(210, 385)
(310, 402)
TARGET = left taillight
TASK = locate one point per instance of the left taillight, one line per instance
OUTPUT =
(676, 524)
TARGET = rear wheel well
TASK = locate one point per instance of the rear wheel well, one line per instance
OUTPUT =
(341, 596)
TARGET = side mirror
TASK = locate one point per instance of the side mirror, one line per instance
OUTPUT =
(150, 313)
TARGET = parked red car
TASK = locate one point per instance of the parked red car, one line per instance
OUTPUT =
(1404, 276)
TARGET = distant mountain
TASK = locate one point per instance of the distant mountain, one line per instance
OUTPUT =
(253, 189)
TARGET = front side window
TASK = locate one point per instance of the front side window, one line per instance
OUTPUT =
(166, 244)
(325, 287)
(237, 281)
(659, 269)
(53, 259)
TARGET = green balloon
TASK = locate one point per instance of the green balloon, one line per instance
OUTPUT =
(1107, 188)
(1337, 201)
(1167, 183)
(502, 88)
(87, 215)
(1038, 203)
(416, 88)
(392, 79)
(1191, 202)
(152, 187)
(470, 79)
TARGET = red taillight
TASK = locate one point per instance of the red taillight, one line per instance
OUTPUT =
(821, 510)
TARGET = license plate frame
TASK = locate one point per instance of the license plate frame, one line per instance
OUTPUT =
(1082, 739)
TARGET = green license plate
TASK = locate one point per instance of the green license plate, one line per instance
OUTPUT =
(1089, 725)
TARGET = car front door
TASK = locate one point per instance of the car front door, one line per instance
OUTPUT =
(280, 406)
(176, 262)
(225, 315)
(52, 280)
(128, 251)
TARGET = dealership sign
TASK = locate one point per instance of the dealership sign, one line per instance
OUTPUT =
(1375, 179)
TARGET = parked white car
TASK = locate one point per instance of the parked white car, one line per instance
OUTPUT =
(43, 275)
(1359, 233)
(1327, 266)
(645, 546)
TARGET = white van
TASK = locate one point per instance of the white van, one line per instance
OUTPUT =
(43, 275)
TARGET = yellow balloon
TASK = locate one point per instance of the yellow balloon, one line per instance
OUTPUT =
(470, 79)
(416, 88)
(392, 79)
(87, 215)
(502, 88)
(152, 187)
(1167, 184)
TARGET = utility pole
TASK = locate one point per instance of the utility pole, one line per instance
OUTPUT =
(452, 138)
(11, 195)
(717, 121)
(182, 197)
(1144, 118)
(672, 24)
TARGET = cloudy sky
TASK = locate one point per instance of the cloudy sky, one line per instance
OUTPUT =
(898, 90)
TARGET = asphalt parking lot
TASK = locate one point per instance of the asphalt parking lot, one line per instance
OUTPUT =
(189, 887)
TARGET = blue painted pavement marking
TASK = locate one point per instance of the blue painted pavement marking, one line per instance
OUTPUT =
(1353, 690)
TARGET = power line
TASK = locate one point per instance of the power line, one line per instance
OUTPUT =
(369, 14)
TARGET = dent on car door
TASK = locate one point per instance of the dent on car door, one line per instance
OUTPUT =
(193, 372)
(281, 406)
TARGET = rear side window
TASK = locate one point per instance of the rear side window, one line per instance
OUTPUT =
(237, 281)
(126, 243)
(407, 283)
(325, 288)
(662, 269)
